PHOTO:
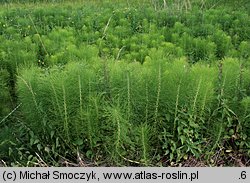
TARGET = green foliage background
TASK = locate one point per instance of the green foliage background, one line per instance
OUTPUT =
(134, 83)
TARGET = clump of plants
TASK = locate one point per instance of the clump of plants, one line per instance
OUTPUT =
(129, 83)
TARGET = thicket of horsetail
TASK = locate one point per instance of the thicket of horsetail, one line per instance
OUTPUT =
(188, 112)
(125, 84)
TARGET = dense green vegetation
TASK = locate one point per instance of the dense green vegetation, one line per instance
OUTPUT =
(134, 83)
